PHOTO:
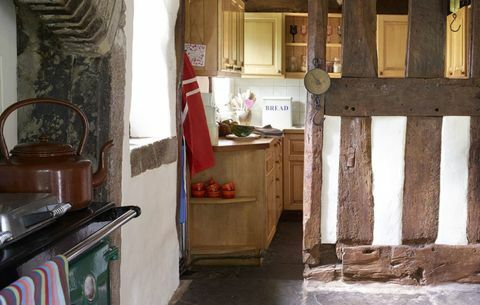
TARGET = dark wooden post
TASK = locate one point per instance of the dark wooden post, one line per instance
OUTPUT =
(426, 38)
(425, 59)
(473, 223)
(359, 38)
(475, 36)
(317, 38)
(355, 204)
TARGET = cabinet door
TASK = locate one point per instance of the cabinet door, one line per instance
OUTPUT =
(234, 32)
(241, 37)
(225, 33)
(278, 179)
(293, 155)
(456, 59)
(263, 43)
(201, 26)
(392, 31)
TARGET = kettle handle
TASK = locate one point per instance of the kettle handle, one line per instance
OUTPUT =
(6, 113)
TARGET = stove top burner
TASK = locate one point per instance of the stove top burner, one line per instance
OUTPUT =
(22, 214)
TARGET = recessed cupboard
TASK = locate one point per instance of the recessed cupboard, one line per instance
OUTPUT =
(392, 32)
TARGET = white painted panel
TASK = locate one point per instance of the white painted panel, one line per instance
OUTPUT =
(330, 166)
(388, 165)
(150, 250)
(452, 228)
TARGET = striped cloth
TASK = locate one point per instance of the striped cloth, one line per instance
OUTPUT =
(45, 285)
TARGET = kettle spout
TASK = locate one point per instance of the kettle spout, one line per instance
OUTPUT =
(101, 175)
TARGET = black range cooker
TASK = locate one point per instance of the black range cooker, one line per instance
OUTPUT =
(81, 236)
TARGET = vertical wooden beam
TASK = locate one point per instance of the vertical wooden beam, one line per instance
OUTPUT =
(473, 221)
(422, 180)
(475, 36)
(317, 38)
(359, 47)
(355, 199)
(426, 38)
(425, 59)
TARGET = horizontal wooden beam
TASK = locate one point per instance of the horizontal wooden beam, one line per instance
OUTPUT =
(287, 6)
(403, 97)
(392, 7)
(408, 265)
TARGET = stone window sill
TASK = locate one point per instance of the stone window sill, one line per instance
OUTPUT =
(151, 153)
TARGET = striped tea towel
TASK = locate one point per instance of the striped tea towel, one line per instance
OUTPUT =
(45, 285)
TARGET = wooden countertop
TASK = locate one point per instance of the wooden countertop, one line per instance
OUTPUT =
(225, 145)
(294, 130)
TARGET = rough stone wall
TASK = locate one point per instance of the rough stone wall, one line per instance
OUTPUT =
(46, 69)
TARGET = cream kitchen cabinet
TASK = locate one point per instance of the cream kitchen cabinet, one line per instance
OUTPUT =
(392, 31)
(263, 44)
(217, 24)
(458, 43)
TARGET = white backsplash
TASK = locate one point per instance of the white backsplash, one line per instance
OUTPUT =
(263, 87)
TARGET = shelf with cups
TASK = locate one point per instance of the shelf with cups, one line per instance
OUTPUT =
(295, 50)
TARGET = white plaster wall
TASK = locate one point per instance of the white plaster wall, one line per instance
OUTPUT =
(330, 168)
(153, 93)
(388, 166)
(150, 250)
(452, 227)
(8, 66)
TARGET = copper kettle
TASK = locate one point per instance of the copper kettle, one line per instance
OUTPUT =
(45, 167)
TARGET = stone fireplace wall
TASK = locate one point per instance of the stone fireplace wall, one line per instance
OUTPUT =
(51, 66)
(76, 51)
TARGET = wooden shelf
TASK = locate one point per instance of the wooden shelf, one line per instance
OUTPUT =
(335, 75)
(222, 201)
(296, 44)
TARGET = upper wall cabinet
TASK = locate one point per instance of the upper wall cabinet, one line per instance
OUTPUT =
(263, 44)
(218, 25)
(392, 32)
(458, 43)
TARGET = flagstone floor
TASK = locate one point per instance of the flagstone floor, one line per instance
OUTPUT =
(279, 281)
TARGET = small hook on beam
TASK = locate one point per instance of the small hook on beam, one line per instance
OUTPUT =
(451, 24)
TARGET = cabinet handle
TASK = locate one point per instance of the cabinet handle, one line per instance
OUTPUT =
(381, 72)
(277, 162)
(278, 179)
(278, 197)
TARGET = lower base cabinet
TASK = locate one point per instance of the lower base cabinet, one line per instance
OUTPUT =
(293, 156)
(237, 231)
